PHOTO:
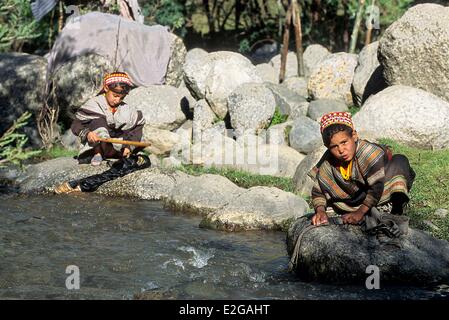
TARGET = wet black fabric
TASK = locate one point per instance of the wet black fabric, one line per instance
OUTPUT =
(118, 169)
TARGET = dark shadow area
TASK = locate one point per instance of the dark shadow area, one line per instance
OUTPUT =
(375, 84)
(186, 108)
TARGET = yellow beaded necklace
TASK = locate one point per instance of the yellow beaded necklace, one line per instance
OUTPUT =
(346, 172)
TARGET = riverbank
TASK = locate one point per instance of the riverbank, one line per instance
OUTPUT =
(428, 208)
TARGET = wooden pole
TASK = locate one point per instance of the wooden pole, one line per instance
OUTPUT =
(369, 31)
(284, 52)
(131, 143)
(61, 16)
(298, 37)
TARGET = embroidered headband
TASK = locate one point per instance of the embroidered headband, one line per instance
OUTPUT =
(331, 118)
(116, 77)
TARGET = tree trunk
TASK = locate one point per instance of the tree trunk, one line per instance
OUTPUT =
(355, 31)
(369, 30)
(288, 19)
(298, 37)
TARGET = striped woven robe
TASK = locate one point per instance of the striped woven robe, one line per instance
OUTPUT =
(374, 178)
(127, 123)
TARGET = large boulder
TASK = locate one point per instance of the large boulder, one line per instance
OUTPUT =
(196, 71)
(78, 80)
(251, 107)
(343, 253)
(258, 208)
(333, 77)
(162, 141)
(291, 67)
(368, 76)
(297, 85)
(287, 100)
(265, 159)
(305, 135)
(414, 50)
(203, 118)
(22, 88)
(209, 77)
(148, 184)
(203, 194)
(267, 73)
(178, 51)
(317, 108)
(163, 107)
(312, 56)
(405, 114)
(303, 183)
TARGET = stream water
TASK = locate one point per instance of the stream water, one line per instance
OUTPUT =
(124, 247)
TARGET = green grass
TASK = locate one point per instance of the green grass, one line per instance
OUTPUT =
(430, 190)
(241, 178)
(57, 151)
(277, 118)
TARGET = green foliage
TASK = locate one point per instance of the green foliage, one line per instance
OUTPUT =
(17, 25)
(57, 151)
(12, 143)
(241, 178)
(278, 117)
(167, 13)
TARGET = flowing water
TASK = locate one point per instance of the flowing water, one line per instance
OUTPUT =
(125, 247)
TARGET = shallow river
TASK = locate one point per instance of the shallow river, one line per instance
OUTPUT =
(124, 247)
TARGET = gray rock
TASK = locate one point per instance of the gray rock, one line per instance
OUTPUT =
(274, 160)
(441, 213)
(208, 76)
(303, 183)
(333, 77)
(286, 100)
(305, 135)
(368, 76)
(70, 141)
(162, 141)
(203, 118)
(163, 107)
(341, 254)
(300, 111)
(258, 208)
(202, 195)
(278, 134)
(291, 67)
(312, 56)
(78, 80)
(413, 50)
(188, 101)
(251, 107)
(22, 88)
(149, 184)
(407, 115)
(267, 73)
(178, 51)
(297, 85)
(319, 107)
(196, 71)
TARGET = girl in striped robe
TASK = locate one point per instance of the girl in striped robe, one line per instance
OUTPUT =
(355, 175)
(107, 116)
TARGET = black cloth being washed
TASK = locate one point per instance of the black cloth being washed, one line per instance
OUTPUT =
(118, 169)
